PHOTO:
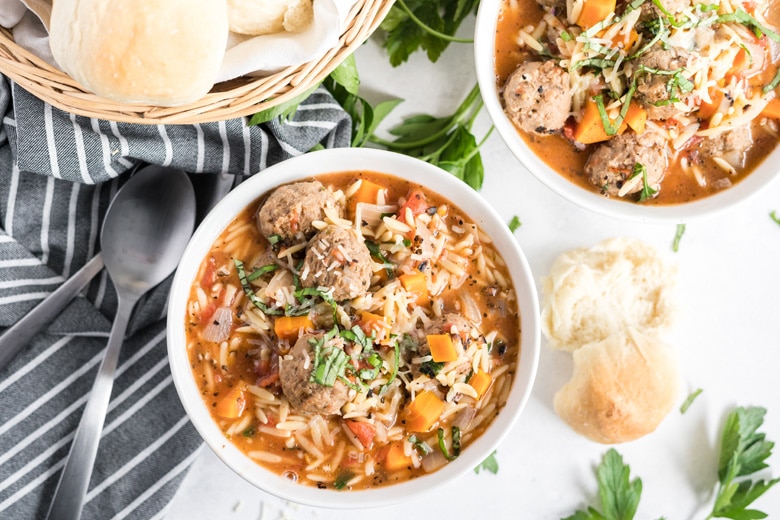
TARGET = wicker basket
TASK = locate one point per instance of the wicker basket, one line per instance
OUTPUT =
(239, 97)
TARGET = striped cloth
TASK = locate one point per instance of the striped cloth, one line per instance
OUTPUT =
(58, 173)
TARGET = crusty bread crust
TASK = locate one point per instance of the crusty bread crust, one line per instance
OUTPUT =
(621, 389)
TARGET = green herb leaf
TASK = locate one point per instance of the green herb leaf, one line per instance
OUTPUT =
(250, 293)
(514, 224)
(677, 236)
(455, 443)
(740, 16)
(774, 216)
(285, 109)
(689, 400)
(428, 25)
(489, 464)
(257, 273)
(647, 191)
(743, 451)
(422, 447)
(619, 495)
(342, 480)
(772, 84)
(431, 368)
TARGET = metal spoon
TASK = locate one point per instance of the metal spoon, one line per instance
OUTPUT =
(144, 235)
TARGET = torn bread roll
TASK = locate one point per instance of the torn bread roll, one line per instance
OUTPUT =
(592, 293)
(621, 389)
(141, 51)
(255, 17)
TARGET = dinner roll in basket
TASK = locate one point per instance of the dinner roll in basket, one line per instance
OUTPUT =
(141, 51)
(621, 389)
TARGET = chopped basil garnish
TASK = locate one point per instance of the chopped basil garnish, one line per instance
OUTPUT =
(745, 19)
(774, 216)
(329, 361)
(677, 236)
(647, 191)
(342, 480)
(257, 302)
(514, 224)
(274, 239)
(772, 84)
(379, 256)
(455, 444)
(431, 368)
(257, 273)
(422, 447)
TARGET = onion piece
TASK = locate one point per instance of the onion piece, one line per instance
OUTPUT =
(464, 417)
(218, 329)
(433, 461)
(371, 214)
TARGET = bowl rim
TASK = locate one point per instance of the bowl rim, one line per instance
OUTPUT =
(318, 163)
(484, 58)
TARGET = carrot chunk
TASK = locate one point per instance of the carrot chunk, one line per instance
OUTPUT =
(371, 322)
(396, 459)
(442, 348)
(594, 11)
(590, 129)
(481, 381)
(772, 109)
(289, 327)
(423, 412)
(416, 284)
(367, 192)
(233, 403)
(636, 117)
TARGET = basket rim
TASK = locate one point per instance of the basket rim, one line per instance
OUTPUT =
(240, 97)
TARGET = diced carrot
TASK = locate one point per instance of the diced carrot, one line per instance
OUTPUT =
(707, 110)
(371, 322)
(442, 348)
(289, 327)
(624, 41)
(481, 381)
(364, 431)
(594, 11)
(772, 109)
(740, 63)
(423, 412)
(417, 284)
(590, 129)
(396, 459)
(636, 117)
(367, 192)
(233, 403)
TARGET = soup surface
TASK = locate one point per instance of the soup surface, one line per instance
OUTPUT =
(658, 102)
(352, 331)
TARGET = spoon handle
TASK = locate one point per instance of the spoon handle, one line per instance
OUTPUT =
(70, 495)
(19, 335)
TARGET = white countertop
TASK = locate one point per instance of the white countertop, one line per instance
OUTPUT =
(727, 337)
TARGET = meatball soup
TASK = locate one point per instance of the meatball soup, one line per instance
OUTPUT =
(353, 331)
(653, 102)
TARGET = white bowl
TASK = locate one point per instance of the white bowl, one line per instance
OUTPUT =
(351, 159)
(484, 56)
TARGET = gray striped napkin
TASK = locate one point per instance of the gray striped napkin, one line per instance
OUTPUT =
(58, 173)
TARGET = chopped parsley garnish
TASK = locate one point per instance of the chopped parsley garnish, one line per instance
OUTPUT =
(514, 224)
(677, 236)
(689, 400)
(489, 464)
(455, 444)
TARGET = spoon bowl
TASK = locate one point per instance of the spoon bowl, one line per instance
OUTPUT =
(144, 234)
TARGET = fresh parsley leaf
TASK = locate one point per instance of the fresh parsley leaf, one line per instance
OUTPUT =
(446, 142)
(774, 216)
(285, 110)
(743, 451)
(619, 495)
(677, 236)
(428, 25)
(514, 224)
(689, 400)
(489, 464)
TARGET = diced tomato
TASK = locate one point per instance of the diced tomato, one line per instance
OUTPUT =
(207, 312)
(209, 276)
(364, 431)
(415, 201)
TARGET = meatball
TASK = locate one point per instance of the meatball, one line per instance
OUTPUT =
(657, 92)
(537, 97)
(612, 163)
(306, 396)
(337, 259)
(290, 210)
(730, 146)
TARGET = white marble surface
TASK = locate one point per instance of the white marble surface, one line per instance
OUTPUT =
(727, 336)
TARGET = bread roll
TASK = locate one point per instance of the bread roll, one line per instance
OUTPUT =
(269, 16)
(592, 293)
(621, 389)
(141, 51)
